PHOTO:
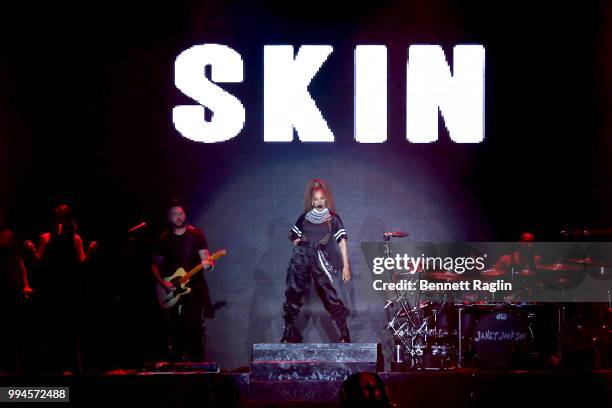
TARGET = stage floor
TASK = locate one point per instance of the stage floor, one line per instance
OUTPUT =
(455, 388)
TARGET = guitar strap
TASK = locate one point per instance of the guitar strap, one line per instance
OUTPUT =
(188, 248)
(209, 308)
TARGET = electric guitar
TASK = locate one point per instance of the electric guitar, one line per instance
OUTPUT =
(168, 298)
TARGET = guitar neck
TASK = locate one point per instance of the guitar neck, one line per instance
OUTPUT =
(192, 272)
(195, 270)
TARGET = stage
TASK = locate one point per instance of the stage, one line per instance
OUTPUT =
(457, 388)
(316, 374)
(301, 195)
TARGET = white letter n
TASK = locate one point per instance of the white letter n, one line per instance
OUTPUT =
(459, 97)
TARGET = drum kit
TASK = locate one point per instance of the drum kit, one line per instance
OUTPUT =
(498, 330)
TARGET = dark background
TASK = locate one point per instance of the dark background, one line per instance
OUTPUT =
(86, 94)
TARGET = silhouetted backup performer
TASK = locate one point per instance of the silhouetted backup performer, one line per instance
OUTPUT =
(184, 246)
(59, 256)
(311, 235)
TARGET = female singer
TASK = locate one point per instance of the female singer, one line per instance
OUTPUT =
(311, 235)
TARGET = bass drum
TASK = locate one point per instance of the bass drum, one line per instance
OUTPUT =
(501, 339)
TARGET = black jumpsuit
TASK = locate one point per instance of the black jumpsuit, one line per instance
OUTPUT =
(309, 261)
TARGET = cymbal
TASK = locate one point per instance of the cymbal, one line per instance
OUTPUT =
(562, 281)
(588, 261)
(493, 273)
(560, 267)
(410, 274)
(526, 272)
(440, 275)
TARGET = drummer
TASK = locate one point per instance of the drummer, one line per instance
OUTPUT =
(522, 264)
(524, 260)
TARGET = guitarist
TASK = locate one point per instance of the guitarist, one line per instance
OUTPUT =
(184, 246)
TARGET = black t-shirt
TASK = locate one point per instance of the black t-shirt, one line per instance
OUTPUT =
(181, 251)
(321, 233)
(325, 233)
